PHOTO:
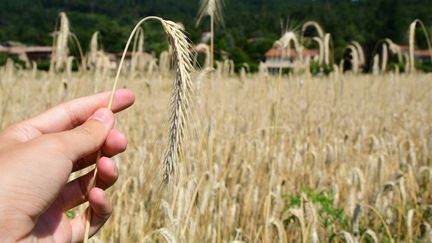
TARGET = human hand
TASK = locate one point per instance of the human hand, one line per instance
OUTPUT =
(37, 157)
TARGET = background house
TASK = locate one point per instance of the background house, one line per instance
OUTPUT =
(27, 54)
(420, 56)
(278, 58)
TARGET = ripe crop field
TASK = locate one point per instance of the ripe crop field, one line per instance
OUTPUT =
(343, 158)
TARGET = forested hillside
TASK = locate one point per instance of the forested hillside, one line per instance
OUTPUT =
(251, 26)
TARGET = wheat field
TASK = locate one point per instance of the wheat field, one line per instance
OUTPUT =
(343, 158)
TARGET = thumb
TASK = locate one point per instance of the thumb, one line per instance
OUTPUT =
(88, 137)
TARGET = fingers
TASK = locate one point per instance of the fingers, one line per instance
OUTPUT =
(63, 117)
(115, 143)
(85, 139)
(101, 211)
(76, 192)
(73, 113)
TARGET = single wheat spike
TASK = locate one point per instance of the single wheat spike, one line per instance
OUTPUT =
(179, 98)
(315, 25)
(212, 8)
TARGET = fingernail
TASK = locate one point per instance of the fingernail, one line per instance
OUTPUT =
(102, 115)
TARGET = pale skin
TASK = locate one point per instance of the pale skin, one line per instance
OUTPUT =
(37, 157)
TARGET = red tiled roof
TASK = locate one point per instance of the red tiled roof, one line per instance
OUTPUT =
(224, 53)
(203, 50)
(417, 53)
(200, 49)
(27, 49)
(279, 52)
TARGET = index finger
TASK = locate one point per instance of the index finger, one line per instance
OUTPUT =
(75, 112)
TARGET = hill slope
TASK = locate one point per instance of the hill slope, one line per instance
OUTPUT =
(251, 26)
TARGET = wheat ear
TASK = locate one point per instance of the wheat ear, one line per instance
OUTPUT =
(179, 99)
(316, 26)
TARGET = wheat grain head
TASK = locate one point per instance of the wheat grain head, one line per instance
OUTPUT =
(316, 26)
(211, 8)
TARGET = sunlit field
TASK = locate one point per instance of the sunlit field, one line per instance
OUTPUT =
(343, 158)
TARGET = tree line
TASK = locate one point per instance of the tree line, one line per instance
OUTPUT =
(250, 26)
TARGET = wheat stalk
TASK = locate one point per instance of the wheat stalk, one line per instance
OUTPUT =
(179, 99)
(206, 48)
(80, 50)
(348, 237)
(327, 48)
(316, 26)
(382, 221)
(355, 61)
(212, 8)
(394, 48)
(137, 49)
(360, 53)
(289, 38)
(381, 54)
(59, 56)
(92, 55)
(321, 49)
(164, 62)
(60, 44)
(384, 57)
(285, 42)
(280, 229)
(412, 36)
(180, 96)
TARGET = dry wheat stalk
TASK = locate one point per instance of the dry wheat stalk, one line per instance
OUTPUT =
(262, 69)
(92, 55)
(348, 237)
(384, 57)
(374, 210)
(412, 29)
(206, 48)
(371, 234)
(204, 74)
(164, 62)
(226, 68)
(321, 49)
(180, 96)
(137, 49)
(60, 44)
(427, 237)
(382, 52)
(231, 67)
(394, 48)
(212, 8)
(375, 65)
(321, 39)
(360, 52)
(179, 100)
(409, 221)
(80, 50)
(280, 229)
(60, 53)
(355, 62)
(288, 39)
(316, 26)
(327, 49)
